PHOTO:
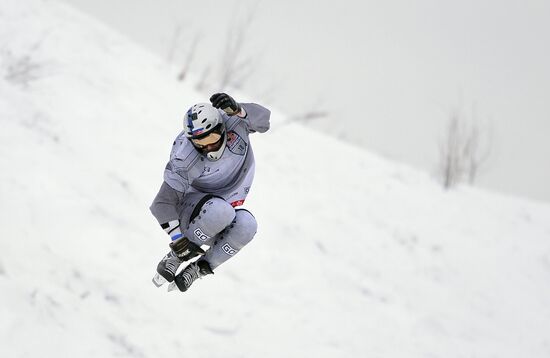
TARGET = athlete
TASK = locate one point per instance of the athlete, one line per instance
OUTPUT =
(206, 180)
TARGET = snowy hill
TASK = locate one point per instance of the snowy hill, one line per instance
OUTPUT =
(355, 256)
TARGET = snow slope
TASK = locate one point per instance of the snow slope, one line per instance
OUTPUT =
(355, 255)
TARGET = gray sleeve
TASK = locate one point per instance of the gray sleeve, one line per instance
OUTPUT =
(164, 206)
(257, 117)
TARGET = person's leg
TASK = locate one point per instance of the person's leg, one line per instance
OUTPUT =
(204, 216)
(239, 233)
(226, 245)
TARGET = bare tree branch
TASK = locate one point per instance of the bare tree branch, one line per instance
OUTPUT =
(203, 79)
(464, 151)
(174, 44)
(189, 58)
(237, 67)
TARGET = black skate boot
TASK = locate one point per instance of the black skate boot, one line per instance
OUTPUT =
(168, 266)
(181, 250)
(188, 275)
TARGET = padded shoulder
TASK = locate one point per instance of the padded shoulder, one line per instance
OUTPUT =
(185, 164)
(183, 155)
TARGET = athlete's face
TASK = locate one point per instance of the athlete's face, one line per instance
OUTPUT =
(210, 143)
(212, 147)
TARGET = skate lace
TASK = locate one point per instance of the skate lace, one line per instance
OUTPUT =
(190, 274)
(172, 262)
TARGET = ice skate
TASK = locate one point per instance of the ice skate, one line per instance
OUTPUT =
(193, 271)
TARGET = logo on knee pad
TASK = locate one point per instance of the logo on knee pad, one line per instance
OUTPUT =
(228, 249)
(201, 235)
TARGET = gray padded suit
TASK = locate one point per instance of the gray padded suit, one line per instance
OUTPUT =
(199, 196)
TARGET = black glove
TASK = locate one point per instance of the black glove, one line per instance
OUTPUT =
(226, 103)
(185, 249)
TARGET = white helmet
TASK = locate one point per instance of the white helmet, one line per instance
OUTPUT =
(205, 129)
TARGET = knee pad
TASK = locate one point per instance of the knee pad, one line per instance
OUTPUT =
(234, 238)
(210, 216)
(242, 229)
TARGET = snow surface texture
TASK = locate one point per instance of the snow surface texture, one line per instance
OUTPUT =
(355, 256)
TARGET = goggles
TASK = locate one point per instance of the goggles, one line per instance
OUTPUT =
(210, 138)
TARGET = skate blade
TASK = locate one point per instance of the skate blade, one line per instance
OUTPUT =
(158, 280)
(172, 287)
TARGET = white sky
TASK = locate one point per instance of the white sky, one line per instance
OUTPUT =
(389, 72)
